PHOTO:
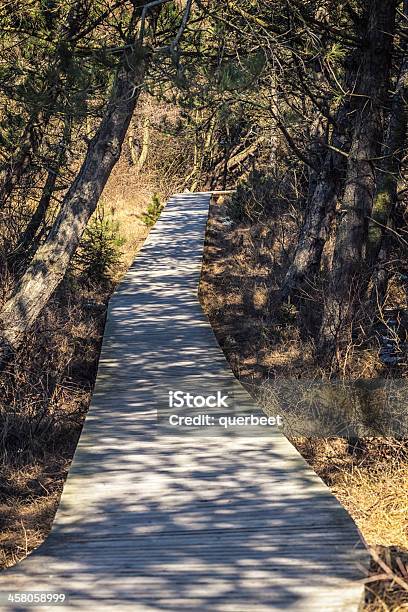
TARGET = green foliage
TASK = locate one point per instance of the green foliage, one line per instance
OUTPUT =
(252, 198)
(240, 75)
(153, 211)
(100, 251)
(335, 54)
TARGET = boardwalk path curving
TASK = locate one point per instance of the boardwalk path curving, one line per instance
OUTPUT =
(150, 521)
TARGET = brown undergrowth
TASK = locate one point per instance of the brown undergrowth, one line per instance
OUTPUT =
(45, 394)
(371, 480)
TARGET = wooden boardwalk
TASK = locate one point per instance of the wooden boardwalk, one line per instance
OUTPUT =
(150, 521)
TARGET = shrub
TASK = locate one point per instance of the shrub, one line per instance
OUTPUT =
(153, 211)
(100, 251)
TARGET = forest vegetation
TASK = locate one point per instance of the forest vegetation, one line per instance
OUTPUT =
(300, 107)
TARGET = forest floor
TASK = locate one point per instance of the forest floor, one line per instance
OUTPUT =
(372, 481)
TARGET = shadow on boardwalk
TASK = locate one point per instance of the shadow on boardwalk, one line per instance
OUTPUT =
(195, 526)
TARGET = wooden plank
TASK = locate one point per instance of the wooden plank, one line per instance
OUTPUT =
(152, 521)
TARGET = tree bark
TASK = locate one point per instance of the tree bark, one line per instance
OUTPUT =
(321, 207)
(50, 262)
(21, 161)
(357, 201)
(25, 243)
(316, 227)
(145, 144)
(393, 153)
(386, 196)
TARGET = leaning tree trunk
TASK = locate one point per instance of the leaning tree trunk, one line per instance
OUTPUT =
(27, 243)
(316, 226)
(357, 202)
(50, 262)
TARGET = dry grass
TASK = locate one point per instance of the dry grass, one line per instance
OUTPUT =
(371, 480)
(372, 483)
(377, 498)
(125, 197)
(31, 498)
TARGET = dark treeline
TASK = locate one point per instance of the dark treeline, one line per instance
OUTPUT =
(302, 103)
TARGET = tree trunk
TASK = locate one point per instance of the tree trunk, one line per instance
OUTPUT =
(25, 243)
(357, 202)
(386, 196)
(393, 153)
(323, 197)
(145, 144)
(50, 262)
(22, 159)
(316, 227)
(23, 247)
(133, 149)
